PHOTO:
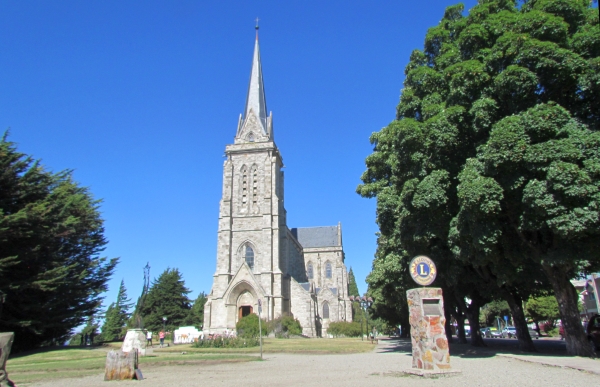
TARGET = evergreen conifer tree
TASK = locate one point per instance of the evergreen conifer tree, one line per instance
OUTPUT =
(116, 316)
(357, 312)
(352, 287)
(195, 316)
(168, 298)
(51, 235)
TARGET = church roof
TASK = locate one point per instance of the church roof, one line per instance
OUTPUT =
(256, 100)
(327, 236)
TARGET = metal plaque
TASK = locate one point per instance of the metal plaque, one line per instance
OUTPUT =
(431, 307)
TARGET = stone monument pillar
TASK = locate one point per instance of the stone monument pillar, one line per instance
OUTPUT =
(135, 340)
(428, 335)
(431, 355)
(6, 340)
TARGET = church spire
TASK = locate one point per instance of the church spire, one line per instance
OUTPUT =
(256, 103)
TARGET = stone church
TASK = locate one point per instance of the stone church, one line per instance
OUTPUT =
(298, 271)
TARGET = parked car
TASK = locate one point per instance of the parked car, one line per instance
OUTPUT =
(495, 333)
(490, 333)
(509, 332)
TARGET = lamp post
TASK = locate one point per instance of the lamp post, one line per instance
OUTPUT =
(164, 324)
(364, 302)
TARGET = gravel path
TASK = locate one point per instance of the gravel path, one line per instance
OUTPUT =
(379, 368)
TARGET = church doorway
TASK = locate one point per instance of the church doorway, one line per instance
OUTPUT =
(245, 310)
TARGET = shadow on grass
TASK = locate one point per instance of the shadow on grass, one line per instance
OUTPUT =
(493, 347)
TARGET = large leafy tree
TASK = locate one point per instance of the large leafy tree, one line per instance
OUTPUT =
(116, 316)
(491, 165)
(168, 298)
(51, 235)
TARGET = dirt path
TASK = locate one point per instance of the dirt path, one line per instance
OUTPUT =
(381, 367)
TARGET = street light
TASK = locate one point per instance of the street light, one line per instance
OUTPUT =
(364, 302)
(164, 323)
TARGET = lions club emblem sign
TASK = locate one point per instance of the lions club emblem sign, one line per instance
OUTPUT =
(422, 269)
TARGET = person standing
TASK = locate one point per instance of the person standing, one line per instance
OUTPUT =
(149, 338)
(161, 337)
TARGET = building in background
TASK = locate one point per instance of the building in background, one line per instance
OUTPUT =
(588, 294)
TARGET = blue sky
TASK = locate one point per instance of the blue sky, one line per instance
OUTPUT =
(140, 99)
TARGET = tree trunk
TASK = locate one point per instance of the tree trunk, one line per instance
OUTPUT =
(448, 325)
(515, 303)
(473, 316)
(566, 296)
(405, 324)
(121, 365)
(460, 326)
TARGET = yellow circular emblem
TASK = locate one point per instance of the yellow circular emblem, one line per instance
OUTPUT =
(422, 270)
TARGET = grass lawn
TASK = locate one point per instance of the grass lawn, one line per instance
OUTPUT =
(70, 362)
(67, 362)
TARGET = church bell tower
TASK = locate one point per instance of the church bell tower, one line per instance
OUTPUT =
(251, 217)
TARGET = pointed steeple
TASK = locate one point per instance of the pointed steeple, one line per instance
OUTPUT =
(256, 102)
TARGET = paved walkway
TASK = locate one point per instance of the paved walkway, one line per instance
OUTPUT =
(577, 363)
(382, 367)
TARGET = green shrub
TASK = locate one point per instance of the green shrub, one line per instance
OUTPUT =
(248, 326)
(284, 327)
(227, 342)
(344, 329)
(291, 326)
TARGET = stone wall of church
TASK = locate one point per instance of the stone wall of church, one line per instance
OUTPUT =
(328, 309)
(319, 258)
(253, 215)
(294, 258)
(303, 308)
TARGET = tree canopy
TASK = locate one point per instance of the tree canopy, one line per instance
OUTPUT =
(51, 235)
(167, 297)
(543, 308)
(491, 166)
(195, 316)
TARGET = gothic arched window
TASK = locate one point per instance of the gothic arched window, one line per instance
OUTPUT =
(309, 271)
(325, 309)
(244, 185)
(249, 256)
(328, 270)
(254, 186)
